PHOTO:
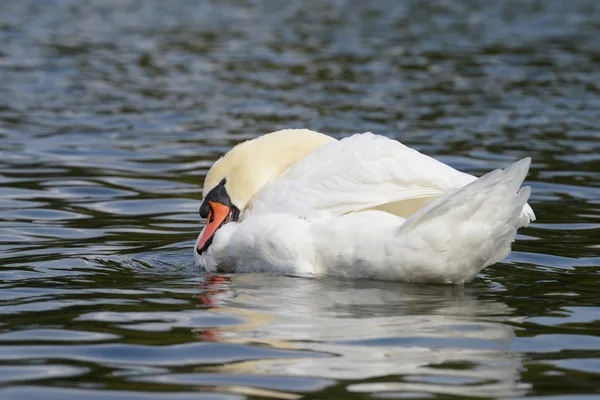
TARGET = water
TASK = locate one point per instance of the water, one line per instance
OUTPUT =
(111, 112)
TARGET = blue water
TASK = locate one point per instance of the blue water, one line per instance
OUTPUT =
(111, 113)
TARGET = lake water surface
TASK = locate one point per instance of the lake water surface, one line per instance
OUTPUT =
(111, 112)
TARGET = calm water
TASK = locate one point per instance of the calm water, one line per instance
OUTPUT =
(111, 112)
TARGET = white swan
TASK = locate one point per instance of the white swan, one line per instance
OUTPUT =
(300, 202)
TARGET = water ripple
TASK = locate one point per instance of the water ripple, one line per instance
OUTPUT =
(111, 114)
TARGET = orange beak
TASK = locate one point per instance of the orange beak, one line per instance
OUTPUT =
(216, 217)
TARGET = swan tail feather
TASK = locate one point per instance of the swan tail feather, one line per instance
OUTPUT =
(456, 236)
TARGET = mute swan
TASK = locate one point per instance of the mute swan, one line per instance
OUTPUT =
(299, 202)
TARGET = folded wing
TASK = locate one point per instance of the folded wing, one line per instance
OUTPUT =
(364, 171)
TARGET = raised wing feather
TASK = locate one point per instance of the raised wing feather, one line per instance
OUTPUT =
(359, 172)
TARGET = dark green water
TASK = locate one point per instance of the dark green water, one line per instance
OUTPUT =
(111, 112)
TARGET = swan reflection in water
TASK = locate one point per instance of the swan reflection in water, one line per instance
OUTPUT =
(417, 338)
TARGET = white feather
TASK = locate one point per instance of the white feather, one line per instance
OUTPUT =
(448, 241)
(357, 173)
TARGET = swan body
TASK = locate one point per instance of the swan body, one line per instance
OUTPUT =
(362, 207)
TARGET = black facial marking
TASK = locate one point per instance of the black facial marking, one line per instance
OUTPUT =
(234, 214)
(218, 195)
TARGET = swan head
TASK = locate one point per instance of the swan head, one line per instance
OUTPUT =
(235, 178)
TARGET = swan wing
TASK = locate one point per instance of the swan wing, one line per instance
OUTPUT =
(359, 172)
(449, 240)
